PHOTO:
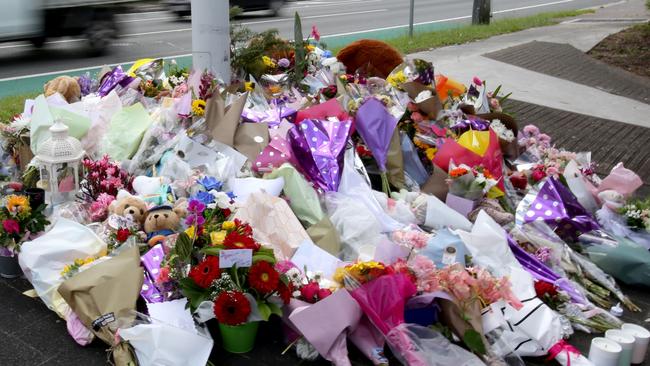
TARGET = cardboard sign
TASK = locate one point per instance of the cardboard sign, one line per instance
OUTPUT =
(239, 257)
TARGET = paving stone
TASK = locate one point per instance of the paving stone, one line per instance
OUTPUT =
(567, 62)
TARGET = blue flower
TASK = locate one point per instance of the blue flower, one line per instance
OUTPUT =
(231, 195)
(210, 183)
(327, 54)
(204, 197)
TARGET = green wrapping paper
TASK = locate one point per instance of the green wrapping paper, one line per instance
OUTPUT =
(305, 204)
(43, 118)
(627, 262)
(125, 133)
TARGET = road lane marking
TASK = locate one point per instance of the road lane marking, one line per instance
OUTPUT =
(315, 16)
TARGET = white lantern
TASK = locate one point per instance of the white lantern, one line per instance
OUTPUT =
(58, 159)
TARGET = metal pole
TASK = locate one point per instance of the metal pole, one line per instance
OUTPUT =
(411, 11)
(211, 37)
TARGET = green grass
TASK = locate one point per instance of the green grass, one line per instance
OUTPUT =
(12, 105)
(470, 33)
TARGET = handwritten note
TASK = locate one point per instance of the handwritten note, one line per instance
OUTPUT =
(239, 257)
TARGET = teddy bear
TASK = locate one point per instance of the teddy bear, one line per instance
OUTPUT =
(67, 86)
(376, 57)
(161, 221)
(127, 204)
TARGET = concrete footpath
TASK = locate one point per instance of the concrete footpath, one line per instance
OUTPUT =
(583, 104)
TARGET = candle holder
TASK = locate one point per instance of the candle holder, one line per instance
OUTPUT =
(641, 339)
(626, 341)
(604, 352)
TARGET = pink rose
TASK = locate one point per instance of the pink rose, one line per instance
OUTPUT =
(163, 275)
(552, 171)
(538, 175)
(412, 107)
(477, 81)
(417, 117)
(11, 226)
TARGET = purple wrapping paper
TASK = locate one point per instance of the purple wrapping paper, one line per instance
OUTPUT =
(542, 272)
(112, 79)
(149, 291)
(318, 147)
(272, 116)
(151, 261)
(560, 209)
(459, 204)
(472, 123)
(376, 125)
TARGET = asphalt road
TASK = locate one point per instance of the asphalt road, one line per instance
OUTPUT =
(162, 34)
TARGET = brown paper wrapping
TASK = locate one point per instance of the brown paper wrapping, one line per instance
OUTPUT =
(431, 106)
(452, 316)
(395, 162)
(109, 291)
(251, 139)
(222, 121)
(436, 184)
(324, 235)
(24, 152)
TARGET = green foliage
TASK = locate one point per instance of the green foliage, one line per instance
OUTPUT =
(194, 293)
(299, 48)
(248, 47)
(474, 342)
(183, 247)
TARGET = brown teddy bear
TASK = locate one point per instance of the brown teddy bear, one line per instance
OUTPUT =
(129, 205)
(161, 221)
(67, 86)
(376, 57)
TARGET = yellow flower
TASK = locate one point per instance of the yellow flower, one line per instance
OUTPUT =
(310, 48)
(339, 275)
(198, 107)
(431, 152)
(217, 237)
(228, 225)
(79, 262)
(65, 270)
(89, 260)
(419, 143)
(18, 204)
(190, 231)
(249, 86)
(268, 62)
(396, 79)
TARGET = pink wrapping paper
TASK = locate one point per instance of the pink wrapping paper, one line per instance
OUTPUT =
(276, 153)
(322, 111)
(621, 180)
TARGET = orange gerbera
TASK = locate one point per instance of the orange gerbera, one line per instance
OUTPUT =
(18, 204)
(458, 172)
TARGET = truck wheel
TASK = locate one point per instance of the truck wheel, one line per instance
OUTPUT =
(98, 37)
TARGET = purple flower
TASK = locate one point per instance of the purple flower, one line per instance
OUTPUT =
(284, 63)
(196, 206)
(210, 183)
(85, 84)
(195, 219)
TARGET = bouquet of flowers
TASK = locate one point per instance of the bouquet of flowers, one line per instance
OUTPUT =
(470, 182)
(103, 176)
(637, 214)
(19, 221)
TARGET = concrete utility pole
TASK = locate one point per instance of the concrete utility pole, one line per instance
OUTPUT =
(411, 12)
(481, 12)
(211, 37)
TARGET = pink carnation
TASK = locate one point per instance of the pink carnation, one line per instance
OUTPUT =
(531, 130)
(11, 226)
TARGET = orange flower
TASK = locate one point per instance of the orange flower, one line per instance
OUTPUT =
(458, 172)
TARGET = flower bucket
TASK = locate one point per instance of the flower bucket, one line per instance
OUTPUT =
(9, 267)
(238, 338)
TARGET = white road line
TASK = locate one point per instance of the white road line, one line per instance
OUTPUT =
(315, 5)
(145, 19)
(316, 16)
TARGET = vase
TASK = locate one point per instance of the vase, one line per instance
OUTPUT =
(9, 267)
(238, 338)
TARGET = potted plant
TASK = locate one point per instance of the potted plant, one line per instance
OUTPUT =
(19, 221)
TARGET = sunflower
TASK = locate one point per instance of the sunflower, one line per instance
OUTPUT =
(206, 272)
(263, 277)
(18, 204)
(198, 107)
(232, 308)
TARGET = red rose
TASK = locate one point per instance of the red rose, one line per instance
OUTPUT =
(519, 180)
(122, 235)
(263, 277)
(323, 293)
(232, 308)
(285, 292)
(206, 272)
(544, 288)
(309, 292)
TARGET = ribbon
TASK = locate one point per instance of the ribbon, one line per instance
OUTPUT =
(562, 346)
(472, 123)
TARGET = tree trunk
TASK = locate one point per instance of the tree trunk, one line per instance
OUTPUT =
(481, 12)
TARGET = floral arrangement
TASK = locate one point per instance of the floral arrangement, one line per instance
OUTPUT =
(502, 131)
(69, 270)
(361, 272)
(470, 182)
(637, 214)
(19, 221)
(103, 176)
(308, 286)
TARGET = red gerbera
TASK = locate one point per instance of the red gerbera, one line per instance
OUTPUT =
(206, 271)
(243, 228)
(232, 308)
(263, 277)
(235, 240)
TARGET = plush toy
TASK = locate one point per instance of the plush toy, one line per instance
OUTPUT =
(127, 204)
(376, 57)
(67, 86)
(161, 221)
(151, 189)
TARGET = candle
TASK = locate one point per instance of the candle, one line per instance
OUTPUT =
(641, 339)
(626, 341)
(604, 352)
